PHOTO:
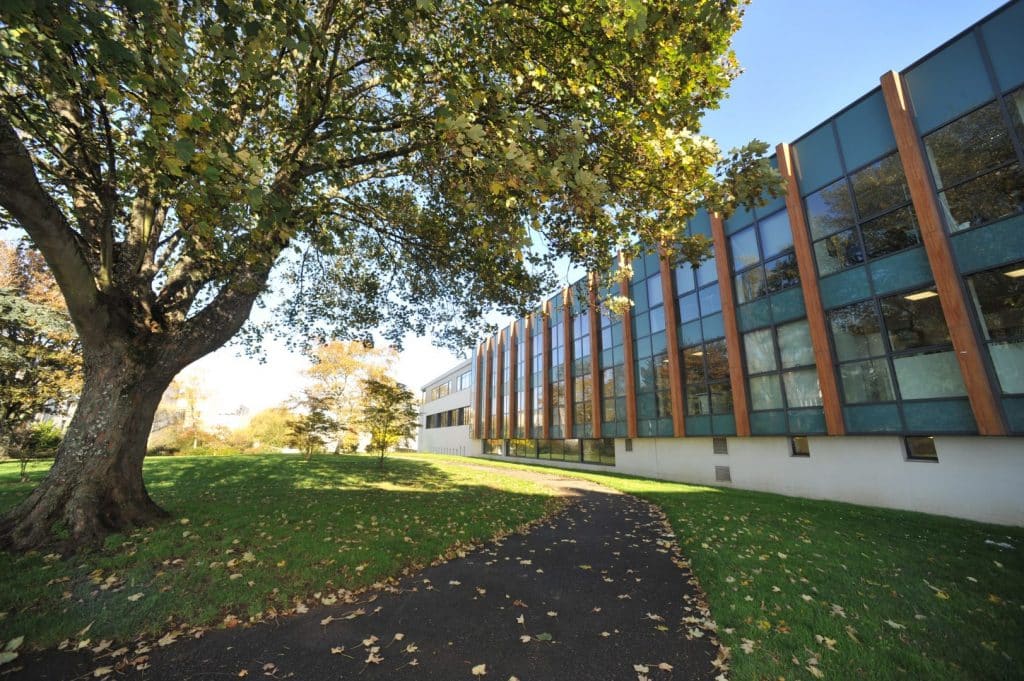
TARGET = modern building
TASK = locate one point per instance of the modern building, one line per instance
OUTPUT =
(860, 339)
(446, 413)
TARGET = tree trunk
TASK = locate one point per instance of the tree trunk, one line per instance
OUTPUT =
(95, 486)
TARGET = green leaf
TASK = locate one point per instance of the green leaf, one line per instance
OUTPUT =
(185, 149)
(14, 644)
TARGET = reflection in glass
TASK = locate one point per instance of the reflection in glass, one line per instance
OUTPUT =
(721, 398)
(830, 209)
(708, 271)
(856, 331)
(688, 310)
(867, 382)
(998, 297)
(710, 300)
(654, 291)
(750, 285)
(914, 320)
(890, 233)
(988, 198)
(838, 252)
(782, 273)
(717, 359)
(693, 365)
(684, 279)
(969, 145)
(880, 186)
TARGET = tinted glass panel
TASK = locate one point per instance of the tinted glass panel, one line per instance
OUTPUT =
(710, 301)
(717, 360)
(802, 388)
(684, 279)
(750, 285)
(693, 365)
(765, 393)
(654, 290)
(688, 310)
(929, 375)
(781, 273)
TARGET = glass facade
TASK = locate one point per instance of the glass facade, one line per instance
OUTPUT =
(889, 351)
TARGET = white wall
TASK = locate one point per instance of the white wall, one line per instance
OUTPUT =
(980, 478)
(453, 439)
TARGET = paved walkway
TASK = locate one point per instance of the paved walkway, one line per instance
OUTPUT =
(596, 592)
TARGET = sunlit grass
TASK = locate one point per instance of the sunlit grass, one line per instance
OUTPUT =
(287, 529)
(815, 588)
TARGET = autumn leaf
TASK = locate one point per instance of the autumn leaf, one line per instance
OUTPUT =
(640, 668)
(102, 671)
(479, 670)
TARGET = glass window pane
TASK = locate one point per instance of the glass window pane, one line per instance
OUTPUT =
(708, 271)
(698, 401)
(776, 235)
(867, 382)
(744, 249)
(929, 375)
(688, 310)
(654, 296)
(765, 393)
(1008, 360)
(829, 210)
(684, 279)
(802, 388)
(795, 347)
(693, 365)
(999, 298)
(856, 331)
(968, 146)
(759, 347)
(838, 252)
(717, 360)
(890, 233)
(986, 199)
(658, 319)
(721, 398)
(880, 186)
(782, 273)
(914, 320)
(750, 285)
(710, 300)
(1016, 102)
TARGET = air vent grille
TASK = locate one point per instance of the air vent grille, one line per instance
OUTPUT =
(722, 474)
(629, 444)
(719, 445)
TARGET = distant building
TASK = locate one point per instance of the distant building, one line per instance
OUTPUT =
(861, 339)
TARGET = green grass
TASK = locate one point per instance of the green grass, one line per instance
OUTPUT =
(289, 529)
(891, 594)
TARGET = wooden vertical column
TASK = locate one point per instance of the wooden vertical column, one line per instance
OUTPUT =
(955, 308)
(827, 380)
(513, 378)
(489, 368)
(733, 342)
(499, 406)
(627, 347)
(567, 356)
(595, 357)
(528, 377)
(545, 375)
(675, 369)
(478, 391)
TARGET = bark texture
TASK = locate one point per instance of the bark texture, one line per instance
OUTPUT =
(95, 486)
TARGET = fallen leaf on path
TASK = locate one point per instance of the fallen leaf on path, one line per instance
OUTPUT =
(479, 670)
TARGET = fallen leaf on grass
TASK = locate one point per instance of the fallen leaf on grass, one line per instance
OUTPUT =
(102, 671)
(167, 639)
(747, 646)
(135, 597)
(894, 625)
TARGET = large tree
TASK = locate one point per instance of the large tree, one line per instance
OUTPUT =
(405, 163)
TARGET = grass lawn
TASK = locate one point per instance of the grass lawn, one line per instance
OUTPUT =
(802, 588)
(254, 534)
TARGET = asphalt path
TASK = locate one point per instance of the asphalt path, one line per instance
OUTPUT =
(595, 592)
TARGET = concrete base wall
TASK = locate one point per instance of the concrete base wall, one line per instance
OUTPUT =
(452, 440)
(976, 478)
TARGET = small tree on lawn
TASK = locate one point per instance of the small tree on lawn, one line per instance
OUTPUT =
(389, 414)
(309, 432)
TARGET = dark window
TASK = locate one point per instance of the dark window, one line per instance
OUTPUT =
(799, 446)
(921, 448)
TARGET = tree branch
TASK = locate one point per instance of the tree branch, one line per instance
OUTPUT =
(40, 216)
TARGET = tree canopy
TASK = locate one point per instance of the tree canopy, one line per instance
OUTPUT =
(406, 164)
